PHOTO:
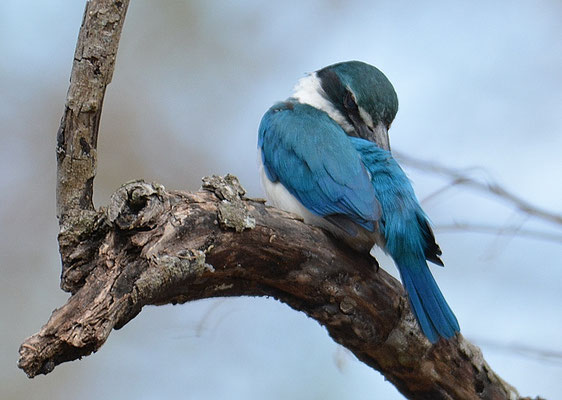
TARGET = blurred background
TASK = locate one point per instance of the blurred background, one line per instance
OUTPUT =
(480, 90)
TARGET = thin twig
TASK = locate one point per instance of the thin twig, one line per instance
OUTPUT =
(525, 350)
(460, 177)
(499, 230)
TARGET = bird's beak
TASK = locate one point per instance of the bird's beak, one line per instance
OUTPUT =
(378, 134)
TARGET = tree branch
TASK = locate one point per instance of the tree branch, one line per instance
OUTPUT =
(92, 70)
(159, 247)
(489, 187)
(499, 230)
(151, 246)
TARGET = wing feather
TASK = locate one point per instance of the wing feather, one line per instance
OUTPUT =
(311, 155)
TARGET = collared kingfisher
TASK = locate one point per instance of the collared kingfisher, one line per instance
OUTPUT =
(325, 155)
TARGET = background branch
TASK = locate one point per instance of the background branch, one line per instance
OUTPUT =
(459, 177)
(499, 230)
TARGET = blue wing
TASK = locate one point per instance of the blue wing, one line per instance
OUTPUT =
(311, 155)
(397, 197)
(409, 240)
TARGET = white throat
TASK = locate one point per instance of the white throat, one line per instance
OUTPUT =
(308, 90)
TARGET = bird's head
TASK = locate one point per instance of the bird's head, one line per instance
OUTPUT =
(356, 95)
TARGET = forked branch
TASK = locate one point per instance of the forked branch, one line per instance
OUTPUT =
(159, 247)
(152, 246)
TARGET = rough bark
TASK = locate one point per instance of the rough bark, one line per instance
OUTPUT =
(152, 246)
(158, 247)
(92, 70)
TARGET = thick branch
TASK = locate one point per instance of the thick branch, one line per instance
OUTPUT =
(158, 247)
(94, 61)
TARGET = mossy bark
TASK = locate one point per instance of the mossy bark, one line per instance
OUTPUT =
(152, 246)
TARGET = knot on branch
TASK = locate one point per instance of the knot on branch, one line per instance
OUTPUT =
(79, 238)
(135, 205)
(232, 210)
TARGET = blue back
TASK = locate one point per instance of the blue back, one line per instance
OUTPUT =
(311, 155)
(401, 210)
(409, 240)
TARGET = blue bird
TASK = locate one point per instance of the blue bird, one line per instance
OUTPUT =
(324, 155)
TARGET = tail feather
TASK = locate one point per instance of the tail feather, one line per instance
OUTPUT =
(434, 315)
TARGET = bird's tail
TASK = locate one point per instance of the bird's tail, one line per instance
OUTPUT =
(428, 304)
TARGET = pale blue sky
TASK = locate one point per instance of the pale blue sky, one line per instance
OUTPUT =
(479, 84)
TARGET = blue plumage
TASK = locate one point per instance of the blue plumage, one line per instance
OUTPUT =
(323, 156)
(404, 226)
(319, 167)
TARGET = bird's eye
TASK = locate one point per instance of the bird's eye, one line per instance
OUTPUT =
(349, 101)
